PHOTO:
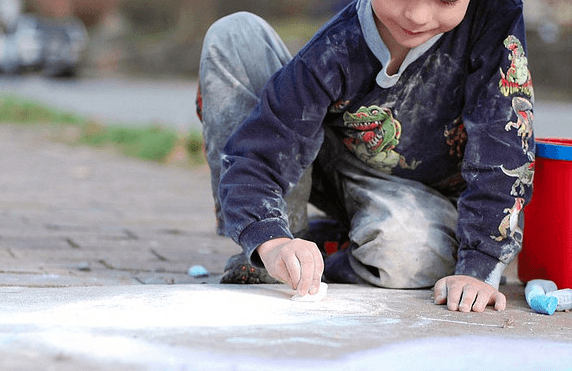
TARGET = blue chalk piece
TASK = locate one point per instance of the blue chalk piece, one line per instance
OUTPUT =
(532, 291)
(198, 271)
(544, 304)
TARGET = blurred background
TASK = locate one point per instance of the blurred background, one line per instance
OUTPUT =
(148, 37)
(136, 61)
(164, 37)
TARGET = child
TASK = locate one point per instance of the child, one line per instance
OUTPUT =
(408, 121)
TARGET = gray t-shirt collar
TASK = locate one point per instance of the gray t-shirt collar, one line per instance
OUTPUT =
(379, 49)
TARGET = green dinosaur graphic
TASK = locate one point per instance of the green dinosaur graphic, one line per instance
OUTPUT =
(372, 135)
(517, 78)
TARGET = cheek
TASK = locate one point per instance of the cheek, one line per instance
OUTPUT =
(381, 13)
(447, 23)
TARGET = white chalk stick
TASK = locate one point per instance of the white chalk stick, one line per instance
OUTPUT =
(312, 298)
(564, 297)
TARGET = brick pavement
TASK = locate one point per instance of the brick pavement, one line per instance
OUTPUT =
(74, 216)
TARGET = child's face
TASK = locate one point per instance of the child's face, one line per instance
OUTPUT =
(410, 23)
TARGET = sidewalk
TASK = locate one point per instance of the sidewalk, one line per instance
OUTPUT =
(94, 254)
(75, 216)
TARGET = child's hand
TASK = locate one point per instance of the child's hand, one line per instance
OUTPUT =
(464, 293)
(296, 262)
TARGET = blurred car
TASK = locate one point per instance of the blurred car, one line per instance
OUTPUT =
(8, 54)
(9, 12)
(52, 46)
(28, 43)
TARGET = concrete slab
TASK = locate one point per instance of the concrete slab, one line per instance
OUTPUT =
(236, 327)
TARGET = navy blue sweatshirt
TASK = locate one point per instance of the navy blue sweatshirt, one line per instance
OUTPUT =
(456, 117)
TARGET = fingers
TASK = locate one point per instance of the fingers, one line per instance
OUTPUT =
(440, 291)
(318, 271)
(294, 262)
(465, 294)
(311, 266)
(297, 262)
(454, 293)
(270, 253)
(289, 271)
(468, 297)
(498, 300)
(489, 297)
(481, 303)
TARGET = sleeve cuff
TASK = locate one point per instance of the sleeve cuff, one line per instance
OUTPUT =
(259, 232)
(479, 265)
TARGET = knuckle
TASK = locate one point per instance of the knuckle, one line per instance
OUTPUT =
(305, 258)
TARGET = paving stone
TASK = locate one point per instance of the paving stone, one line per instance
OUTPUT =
(72, 215)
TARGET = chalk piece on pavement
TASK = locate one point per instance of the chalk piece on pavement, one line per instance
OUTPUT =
(198, 271)
(564, 297)
(312, 298)
(544, 304)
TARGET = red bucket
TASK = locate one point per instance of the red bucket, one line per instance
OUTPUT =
(547, 241)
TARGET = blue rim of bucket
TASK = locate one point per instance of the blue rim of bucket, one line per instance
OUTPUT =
(554, 148)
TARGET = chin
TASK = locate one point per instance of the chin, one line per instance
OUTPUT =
(415, 41)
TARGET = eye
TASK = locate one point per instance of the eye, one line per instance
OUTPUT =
(449, 2)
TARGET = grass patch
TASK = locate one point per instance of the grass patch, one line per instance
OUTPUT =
(152, 143)
(17, 110)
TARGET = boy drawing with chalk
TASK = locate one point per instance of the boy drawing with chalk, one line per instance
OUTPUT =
(409, 122)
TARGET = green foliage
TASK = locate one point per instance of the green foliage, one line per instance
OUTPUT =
(152, 143)
(195, 148)
(149, 143)
(16, 110)
(195, 143)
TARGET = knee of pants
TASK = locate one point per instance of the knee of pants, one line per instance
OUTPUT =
(407, 247)
(226, 38)
(415, 260)
(232, 27)
(245, 39)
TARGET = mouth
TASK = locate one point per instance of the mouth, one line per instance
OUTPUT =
(372, 139)
(412, 33)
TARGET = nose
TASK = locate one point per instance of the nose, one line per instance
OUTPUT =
(418, 12)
